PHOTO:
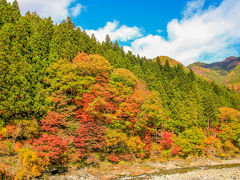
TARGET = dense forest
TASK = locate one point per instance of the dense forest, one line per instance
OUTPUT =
(68, 100)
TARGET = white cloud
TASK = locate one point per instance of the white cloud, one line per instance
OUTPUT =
(122, 33)
(127, 48)
(193, 7)
(57, 9)
(77, 9)
(212, 31)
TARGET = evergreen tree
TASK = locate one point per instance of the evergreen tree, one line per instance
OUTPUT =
(210, 110)
(36, 44)
(8, 13)
(15, 5)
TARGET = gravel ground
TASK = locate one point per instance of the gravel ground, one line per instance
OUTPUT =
(212, 174)
(192, 169)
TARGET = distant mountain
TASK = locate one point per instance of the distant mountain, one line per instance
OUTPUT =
(225, 72)
(227, 64)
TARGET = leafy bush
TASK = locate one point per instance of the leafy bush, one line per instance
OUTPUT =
(53, 146)
(53, 121)
(113, 158)
(28, 128)
(167, 140)
(9, 147)
(191, 141)
(18, 146)
(147, 140)
(176, 150)
(7, 131)
(116, 141)
(135, 146)
(31, 164)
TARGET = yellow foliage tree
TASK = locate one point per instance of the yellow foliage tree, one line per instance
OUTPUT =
(31, 164)
(124, 76)
(114, 137)
(230, 126)
(91, 65)
(229, 114)
(135, 145)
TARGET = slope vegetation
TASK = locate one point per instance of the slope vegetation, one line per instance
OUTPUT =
(67, 100)
(225, 72)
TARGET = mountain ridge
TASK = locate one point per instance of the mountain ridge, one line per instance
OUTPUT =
(225, 72)
(227, 64)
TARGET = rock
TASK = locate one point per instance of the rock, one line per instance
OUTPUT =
(195, 178)
(171, 166)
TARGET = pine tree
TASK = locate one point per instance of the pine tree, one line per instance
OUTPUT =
(63, 33)
(15, 5)
(8, 13)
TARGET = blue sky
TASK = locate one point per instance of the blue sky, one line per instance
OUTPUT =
(187, 30)
(149, 15)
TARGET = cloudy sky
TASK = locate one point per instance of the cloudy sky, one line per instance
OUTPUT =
(186, 30)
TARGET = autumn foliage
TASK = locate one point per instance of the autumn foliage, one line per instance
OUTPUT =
(98, 113)
(52, 146)
(167, 140)
(31, 164)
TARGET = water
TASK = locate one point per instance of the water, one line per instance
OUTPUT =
(162, 172)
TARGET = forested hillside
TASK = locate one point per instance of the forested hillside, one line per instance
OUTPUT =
(68, 100)
(226, 72)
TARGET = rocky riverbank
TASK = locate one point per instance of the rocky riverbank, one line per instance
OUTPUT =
(189, 169)
(210, 174)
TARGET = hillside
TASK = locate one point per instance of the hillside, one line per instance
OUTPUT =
(225, 72)
(232, 80)
(226, 65)
(69, 102)
(172, 62)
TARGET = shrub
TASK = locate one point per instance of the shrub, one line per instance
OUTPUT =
(31, 164)
(80, 145)
(147, 140)
(17, 147)
(175, 150)
(135, 145)
(9, 147)
(113, 158)
(166, 153)
(28, 128)
(53, 146)
(230, 149)
(116, 141)
(214, 146)
(53, 121)
(7, 131)
(167, 140)
(191, 141)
